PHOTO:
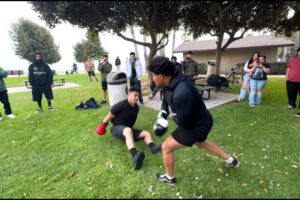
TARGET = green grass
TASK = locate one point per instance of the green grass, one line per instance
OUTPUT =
(58, 155)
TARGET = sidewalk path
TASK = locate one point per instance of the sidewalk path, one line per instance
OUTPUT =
(25, 89)
(216, 99)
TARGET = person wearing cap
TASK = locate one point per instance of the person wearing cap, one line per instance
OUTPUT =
(123, 116)
(183, 103)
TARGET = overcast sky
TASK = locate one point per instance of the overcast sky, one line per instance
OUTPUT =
(65, 35)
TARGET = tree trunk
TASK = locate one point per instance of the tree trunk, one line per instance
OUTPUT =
(135, 45)
(145, 53)
(219, 53)
(173, 42)
(162, 51)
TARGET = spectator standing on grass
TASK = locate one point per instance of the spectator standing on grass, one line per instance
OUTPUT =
(190, 66)
(40, 78)
(104, 67)
(134, 72)
(293, 82)
(246, 77)
(90, 68)
(258, 80)
(118, 63)
(4, 96)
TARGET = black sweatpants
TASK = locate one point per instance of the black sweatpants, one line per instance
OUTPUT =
(5, 101)
(293, 89)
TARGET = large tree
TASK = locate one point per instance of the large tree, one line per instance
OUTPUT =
(30, 38)
(152, 17)
(233, 18)
(89, 47)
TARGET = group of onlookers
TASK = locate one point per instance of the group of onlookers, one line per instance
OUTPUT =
(255, 79)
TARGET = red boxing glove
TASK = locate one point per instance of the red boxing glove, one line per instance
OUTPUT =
(101, 130)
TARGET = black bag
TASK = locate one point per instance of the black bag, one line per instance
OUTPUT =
(217, 80)
(91, 103)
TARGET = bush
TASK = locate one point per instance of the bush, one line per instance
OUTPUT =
(202, 68)
(278, 68)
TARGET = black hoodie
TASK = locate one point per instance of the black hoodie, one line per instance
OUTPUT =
(40, 74)
(184, 100)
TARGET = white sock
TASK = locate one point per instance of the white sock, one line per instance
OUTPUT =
(169, 177)
(229, 160)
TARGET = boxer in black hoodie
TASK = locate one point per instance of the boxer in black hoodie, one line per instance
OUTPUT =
(184, 104)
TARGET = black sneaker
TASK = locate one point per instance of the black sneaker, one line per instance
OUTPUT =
(290, 107)
(39, 110)
(50, 108)
(103, 101)
(138, 160)
(235, 163)
(156, 149)
(163, 178)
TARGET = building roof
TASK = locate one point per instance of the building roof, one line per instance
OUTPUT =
(246, 42)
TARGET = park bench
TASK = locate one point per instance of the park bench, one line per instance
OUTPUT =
(56, 82)
(207, 89)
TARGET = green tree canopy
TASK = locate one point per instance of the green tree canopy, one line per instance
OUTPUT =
(233, 18)
(89, 47)
(152, 17)
(30, 38)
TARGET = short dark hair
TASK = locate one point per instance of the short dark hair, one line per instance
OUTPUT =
(189, 52)
(133, 89)
(132, 53)
(105, 56)
(173, 57)
(38, 53)
(298, 49)
(263, 56)
(162, 65)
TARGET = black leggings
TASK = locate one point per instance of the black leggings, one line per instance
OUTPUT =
(293, 89)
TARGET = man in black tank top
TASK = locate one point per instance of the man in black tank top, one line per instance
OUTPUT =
(184, 104)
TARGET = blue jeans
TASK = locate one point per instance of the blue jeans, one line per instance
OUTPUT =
(255, 96)
(243, 92)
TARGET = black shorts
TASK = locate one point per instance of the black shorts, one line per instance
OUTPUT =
(91, 73)
(117, 131)
(38, 91)
(104, 85)
(189, 137)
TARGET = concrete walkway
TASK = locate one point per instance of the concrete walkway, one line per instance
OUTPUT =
(25, 89)
(216, 99)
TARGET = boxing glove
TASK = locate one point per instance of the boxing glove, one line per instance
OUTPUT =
(160, 127)
(101, 130)
(162, 114)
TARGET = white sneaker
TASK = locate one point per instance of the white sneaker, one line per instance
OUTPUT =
(11, 116)
(0, 118)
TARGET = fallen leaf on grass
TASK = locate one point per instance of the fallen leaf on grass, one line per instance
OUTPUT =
(244, 184)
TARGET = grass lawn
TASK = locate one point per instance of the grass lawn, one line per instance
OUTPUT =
(58, 155)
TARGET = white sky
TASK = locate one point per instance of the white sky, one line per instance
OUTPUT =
(66, 36)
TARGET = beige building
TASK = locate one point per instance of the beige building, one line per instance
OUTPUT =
(237, 52)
